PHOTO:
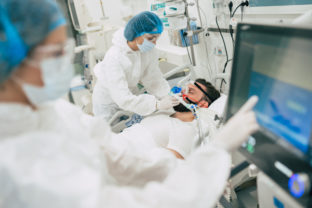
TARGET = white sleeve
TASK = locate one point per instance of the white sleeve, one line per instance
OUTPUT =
(133, 158)
(158, 179)
(62, 169)
(40, 171)
(118, 89)
(46, 169)
(152, 177)
(153, 80)
(196, 182)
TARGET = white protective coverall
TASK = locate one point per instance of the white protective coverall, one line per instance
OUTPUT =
(118, 75)
(57, 156)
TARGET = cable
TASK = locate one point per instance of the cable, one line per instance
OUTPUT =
(230, 27)
(226, 53)
(232, 36)
(227, 56)
(232, 15)
(245, 3)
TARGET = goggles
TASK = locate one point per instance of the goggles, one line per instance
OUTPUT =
(51, 51)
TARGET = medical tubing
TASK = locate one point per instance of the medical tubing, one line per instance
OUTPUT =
(200, 132)
(241, 5)
(245, 3)
(188, 106)
(192, 108)
(226, 52)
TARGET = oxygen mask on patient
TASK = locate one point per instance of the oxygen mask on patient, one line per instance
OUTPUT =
(187, 104)
(187, 98)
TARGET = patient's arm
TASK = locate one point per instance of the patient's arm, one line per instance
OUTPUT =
(184, 116)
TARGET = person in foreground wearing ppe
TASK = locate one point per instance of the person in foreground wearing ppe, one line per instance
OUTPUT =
(166, 128)
(52, 155)
(131, 60)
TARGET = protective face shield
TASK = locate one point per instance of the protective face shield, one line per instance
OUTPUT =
(55, 63)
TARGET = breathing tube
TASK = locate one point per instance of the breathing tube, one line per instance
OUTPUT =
(175, 91)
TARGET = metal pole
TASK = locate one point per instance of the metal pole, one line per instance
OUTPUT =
(189, 29)
(102, 9)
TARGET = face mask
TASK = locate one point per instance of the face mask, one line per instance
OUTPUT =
(57, 74)
(146, 46)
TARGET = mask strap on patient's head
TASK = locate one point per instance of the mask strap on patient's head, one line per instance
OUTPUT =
(203, 91)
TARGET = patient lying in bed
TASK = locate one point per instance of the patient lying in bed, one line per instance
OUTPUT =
(179, 124)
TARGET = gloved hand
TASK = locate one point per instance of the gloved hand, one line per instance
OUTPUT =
(182, 137)
(238, 128)
(166, 103)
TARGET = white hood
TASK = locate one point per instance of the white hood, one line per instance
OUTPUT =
(120, 41)
(119, 47)
(17, 119)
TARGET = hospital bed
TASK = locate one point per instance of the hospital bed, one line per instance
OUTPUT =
(210, 118)
(175, 77)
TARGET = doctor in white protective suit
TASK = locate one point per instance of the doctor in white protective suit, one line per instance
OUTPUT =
(52, 155)
(131, 60)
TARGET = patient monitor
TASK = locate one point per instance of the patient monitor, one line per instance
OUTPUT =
(275, 63)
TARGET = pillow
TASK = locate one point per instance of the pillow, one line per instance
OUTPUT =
(218, 106)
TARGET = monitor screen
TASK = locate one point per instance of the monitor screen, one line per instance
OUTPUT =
(275, 63)
(281, 77)
(277, 67)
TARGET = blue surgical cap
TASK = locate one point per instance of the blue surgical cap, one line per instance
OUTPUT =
(23, 25)
(145, 22)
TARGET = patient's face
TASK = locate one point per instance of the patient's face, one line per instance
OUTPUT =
(193, 96)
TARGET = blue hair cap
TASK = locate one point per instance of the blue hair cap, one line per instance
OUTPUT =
(144, 22)
(23, 25)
